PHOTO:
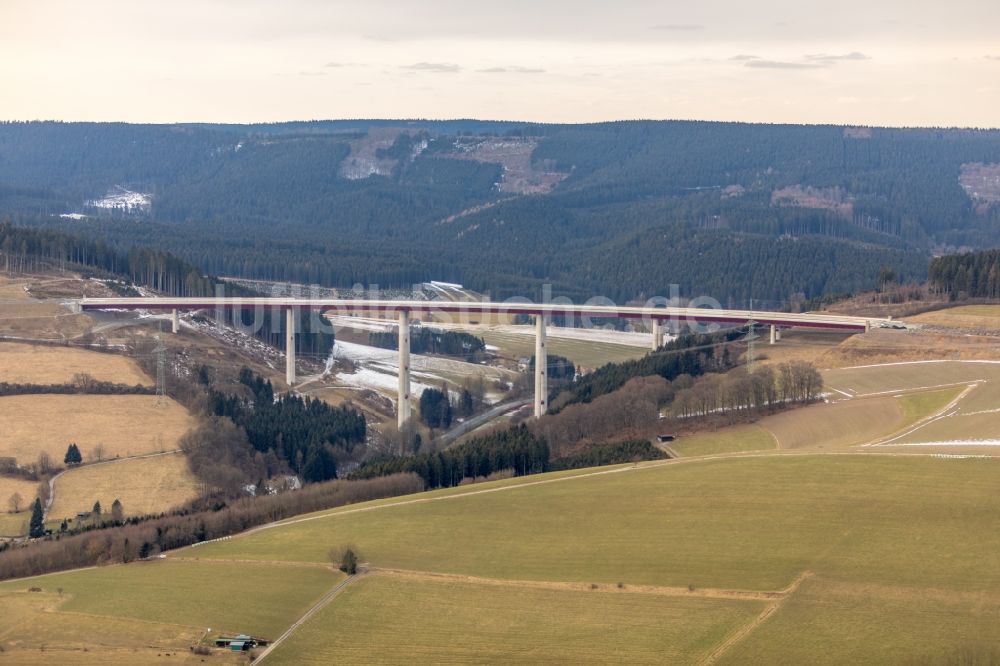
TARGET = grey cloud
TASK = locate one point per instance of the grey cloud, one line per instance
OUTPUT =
(434, 67)
(744, 56)
(678, 27)
(826, 57)
(335, 64)
(992, 57)
(511, 70)
(305, 73)
(780, 64)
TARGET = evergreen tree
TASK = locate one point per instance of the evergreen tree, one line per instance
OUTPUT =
(435, 407)
(73, 456)
(515, 449)
(468, 404)
(36, 528)
(319, 464)
(117, 514)
(97, 508)
(349, 562)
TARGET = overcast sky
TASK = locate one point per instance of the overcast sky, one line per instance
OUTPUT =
(884, 62)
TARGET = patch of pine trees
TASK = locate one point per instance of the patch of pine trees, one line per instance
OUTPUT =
(431, 341)
(300, 431)
(516, 449)
(967, 275)
(27, 249)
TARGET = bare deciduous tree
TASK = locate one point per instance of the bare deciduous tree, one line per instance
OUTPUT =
(15, 501)
(44, 463)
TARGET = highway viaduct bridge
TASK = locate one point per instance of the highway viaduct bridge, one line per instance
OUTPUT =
(477, 311)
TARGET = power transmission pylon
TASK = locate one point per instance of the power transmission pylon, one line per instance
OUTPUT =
(161, 373)
(750, 337)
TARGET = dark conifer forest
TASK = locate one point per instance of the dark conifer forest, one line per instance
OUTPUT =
(299, 431)
(736, 211)
(967, 275)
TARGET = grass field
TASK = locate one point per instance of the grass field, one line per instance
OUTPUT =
(726, 440)
(760, 522)
(869, 404)
(47, 364)
(973, 387)
(704, 549)
(13, 524)
(586, 354)
(895, 346)
(126, 425)
(883, 379)
(963, 316)
(861, 525)
(171, 604)
(459, 622)
(15, 484)
(830, 622)
(957, 427)
(917, 406)
(836, 425)
(143, 485)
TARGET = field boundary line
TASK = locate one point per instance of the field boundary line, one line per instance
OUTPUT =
(936, 360)
(746, 630)
(268, 563)
(919, 389)
(570, 586)
(317, 607)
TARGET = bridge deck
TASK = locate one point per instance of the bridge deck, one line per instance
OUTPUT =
(479, 308)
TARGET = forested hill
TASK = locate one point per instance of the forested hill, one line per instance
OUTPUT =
(620, 209)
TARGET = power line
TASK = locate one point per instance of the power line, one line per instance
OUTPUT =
(161, 373)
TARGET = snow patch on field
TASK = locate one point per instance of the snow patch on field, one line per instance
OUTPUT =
(376, 369)
(362, 323)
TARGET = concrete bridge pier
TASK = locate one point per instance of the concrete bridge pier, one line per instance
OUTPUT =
(290, 323)
(657, 335)
(175, 321)
(541, 368)
(774, 334)
(403, 397)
